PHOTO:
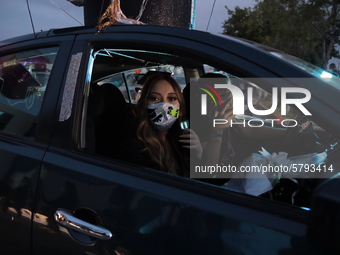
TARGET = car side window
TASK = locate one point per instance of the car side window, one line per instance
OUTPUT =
(23, 79)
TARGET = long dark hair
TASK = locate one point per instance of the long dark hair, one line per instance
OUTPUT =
(166, 155)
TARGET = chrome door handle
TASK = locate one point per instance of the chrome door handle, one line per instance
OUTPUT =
(67, 220)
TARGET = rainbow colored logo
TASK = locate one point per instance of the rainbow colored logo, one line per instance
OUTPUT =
(212, 93)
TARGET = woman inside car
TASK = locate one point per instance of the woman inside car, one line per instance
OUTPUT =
(160, 142)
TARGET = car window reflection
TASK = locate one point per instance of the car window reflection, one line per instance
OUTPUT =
(24, 78)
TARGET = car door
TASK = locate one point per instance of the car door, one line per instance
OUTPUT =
(29, 80)
(87, 203)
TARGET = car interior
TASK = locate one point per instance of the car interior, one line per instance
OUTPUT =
(117, 77)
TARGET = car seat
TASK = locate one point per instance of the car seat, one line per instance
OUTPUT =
(109, 113)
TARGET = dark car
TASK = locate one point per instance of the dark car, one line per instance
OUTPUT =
(63, 191)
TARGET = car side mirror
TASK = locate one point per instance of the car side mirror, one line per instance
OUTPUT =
(324, 223)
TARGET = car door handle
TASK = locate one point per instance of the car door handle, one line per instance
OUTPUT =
(67, 220)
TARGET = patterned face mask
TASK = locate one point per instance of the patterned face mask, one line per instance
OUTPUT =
(163, 115)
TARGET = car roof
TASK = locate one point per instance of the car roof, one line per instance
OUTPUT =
(235, 45)
(157, 29)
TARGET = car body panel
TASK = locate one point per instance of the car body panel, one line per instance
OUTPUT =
(136, 208)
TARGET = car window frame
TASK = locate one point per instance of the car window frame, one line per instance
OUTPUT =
(180, 48)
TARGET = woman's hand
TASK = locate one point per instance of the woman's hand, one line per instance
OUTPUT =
(225, 112)
(191, 141)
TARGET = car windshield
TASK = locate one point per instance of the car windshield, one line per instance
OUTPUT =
(310, 68)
